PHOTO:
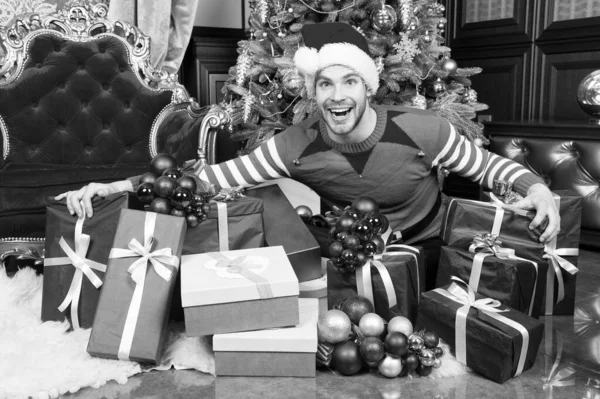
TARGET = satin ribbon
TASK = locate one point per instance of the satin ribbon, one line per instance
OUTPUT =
(237, 265)
(557, 378)
(83, 266)
(159, 260)
(466, 296)
(485, 245)
(220, 200)
(555, 256)
(364, 279)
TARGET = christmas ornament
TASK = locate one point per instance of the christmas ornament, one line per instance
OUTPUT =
(419, 101)
(372, 350)
(346, 358)
(206, 208)
(407, 48)
(400, 324)
(362, 229)
(379, 244)
(192, 220)
(342, 235)
(248, 103)
(147, 177)
(349, 256)
(243, 64)
(406, 11)
(344, 223)
(370, 248)
(478, 142)
(352, 242)
(371, 325)
(396, 343)
(470, 96)
(188, 182)
(365, 204)
(424, 371)
(427, 37)
(177, 212)
(353, 213)
(361, 258)
(415, 342)
(449, 65)
(304, 212)
(197, 199)
(198, 212)
(162, 162)
(390, 366)
(356, 307)
(181, 198)
(384, 19)
(145, 192)
(262, 10)
(293, 82)
(438, 352)
(426, 357)
(172, 173)
(377, 221)
(160, 205)
(411, 361)
(438, 86)
(430, 340)
(437, 364)
(335, 249)
(333, 326)
(164, 186)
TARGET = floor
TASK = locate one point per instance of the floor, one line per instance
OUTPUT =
(580, 335)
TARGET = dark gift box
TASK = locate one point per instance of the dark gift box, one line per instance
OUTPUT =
(85, 242)
(393, 283)
(284, 227)
(133, 310)
(494, 341)
(510, 280)
(231, 225)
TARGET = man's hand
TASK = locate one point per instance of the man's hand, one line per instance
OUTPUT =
(81, 199)
(540, 198)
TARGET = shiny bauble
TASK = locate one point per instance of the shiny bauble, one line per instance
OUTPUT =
(162, 162)
(427, 37)
(189, 209)
(449, 65)
(376, 220)
(346, 358)
(588, 94)
(172, 173)
(390, 366)
(335, 249)
(404, 371)
(415, 342)
(356, 307)
(352, 242)
(372, 350)
(411, 361)
(164, 186)
(197, 211)
(337, 262)
(333, 326)
(206, 208)
(438, 352)
(379, 244)
(400, 324)
(353, 213)
(181, 198)
(177, 212)
(145, 192)
(293, 82)
(203, 217)
(362, 229)
(423, 370)
(469, 96)
(418, 101)
(188, 182)
(438, 86)
(370, 248)
(361, 258)
(147, 177)
(160, 205)
(437, 363)
(197, 200)
(192, 220)
(371, 325)
(341, 236)
(430, 340)
(365, 204)
(384, 19)
(426, 357)
(396, 343)
(349, 256)
(304, 212)
(344, 223)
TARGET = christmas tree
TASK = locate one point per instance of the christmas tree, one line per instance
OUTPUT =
(265, 93)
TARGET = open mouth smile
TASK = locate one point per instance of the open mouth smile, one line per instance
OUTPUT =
(339, 113)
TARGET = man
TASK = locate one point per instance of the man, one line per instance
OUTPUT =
(356, 148)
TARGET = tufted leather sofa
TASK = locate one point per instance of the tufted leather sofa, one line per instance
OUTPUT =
(566, 155)
(80, 103)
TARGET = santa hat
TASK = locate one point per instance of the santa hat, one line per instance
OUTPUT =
(335, 43)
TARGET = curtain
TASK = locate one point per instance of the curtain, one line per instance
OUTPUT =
(169, 24)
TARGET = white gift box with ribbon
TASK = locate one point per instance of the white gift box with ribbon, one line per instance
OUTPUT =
(241, 290)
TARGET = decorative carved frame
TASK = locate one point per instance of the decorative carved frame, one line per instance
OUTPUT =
(83, 23)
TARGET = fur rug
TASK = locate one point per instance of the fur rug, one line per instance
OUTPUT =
(43, 360)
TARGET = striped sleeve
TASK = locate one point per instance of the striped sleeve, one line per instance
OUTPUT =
(464, 158)
(261, 165)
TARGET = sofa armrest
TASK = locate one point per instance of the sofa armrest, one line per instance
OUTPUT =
(176, 132)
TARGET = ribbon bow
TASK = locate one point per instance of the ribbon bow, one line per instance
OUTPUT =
(228, 194)
(486, 243)
(83, 267)
(558, 262)
(466, 296)
(242, 266)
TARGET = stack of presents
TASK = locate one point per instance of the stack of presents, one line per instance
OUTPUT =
(252, 276)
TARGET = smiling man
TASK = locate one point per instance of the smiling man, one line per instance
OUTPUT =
(356, 148)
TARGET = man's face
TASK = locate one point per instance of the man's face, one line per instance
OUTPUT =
(341, 97)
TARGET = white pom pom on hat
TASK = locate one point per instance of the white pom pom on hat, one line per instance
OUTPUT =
(335, 43)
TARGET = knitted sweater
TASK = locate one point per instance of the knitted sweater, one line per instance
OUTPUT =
(394, 164)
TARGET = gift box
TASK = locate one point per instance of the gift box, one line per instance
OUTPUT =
(284, 227)
(494, 341)
(282, 352)
(235, 223)
(76, 253)
(317, 289)
(393, 282)
(133, 310)
(240, 290)
(496, 274)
